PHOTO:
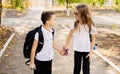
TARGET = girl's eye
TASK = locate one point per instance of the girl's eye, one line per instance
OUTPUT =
(75, 13)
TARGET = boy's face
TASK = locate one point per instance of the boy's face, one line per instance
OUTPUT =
(52, 20)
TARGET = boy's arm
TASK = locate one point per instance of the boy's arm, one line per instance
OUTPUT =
(32, 56)
(55, 47)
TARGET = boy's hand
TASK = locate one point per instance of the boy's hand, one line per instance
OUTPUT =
(62, 52)
(32, 66)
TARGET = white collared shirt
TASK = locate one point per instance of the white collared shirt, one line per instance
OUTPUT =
(81, 39)
(46, 52)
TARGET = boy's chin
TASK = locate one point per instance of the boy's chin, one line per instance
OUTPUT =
(52, 25)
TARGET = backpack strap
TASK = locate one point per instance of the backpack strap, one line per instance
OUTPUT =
(27, 62)
(53, 32)
(90, 35)
(40, 39)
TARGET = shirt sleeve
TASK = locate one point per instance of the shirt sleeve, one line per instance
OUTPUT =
(93, 31)
(36, 36)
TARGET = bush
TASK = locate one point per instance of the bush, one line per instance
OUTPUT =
(16, 4)
(118, 8)
(93, 2)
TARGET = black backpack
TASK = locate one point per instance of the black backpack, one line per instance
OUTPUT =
(29, 42)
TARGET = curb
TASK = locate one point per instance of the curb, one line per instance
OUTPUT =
(107, 61)
(6, 44)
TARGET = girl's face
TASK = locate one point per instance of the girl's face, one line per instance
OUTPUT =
(52, 21)
(76, 14)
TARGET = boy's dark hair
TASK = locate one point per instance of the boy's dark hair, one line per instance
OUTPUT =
(46, 15)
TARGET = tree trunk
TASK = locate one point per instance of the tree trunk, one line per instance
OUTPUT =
(0, 10)
(68, 13)
(52, 2)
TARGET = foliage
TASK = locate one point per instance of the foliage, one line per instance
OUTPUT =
(117, 2)
(17, 4)
(93, 2)
(114, 26)
(69, 1)
(118, 8)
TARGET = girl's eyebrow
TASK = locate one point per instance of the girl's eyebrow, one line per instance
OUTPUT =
(75, 13)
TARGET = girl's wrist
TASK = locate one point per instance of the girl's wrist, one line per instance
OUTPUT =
(91, 50)
(65, 47)
(65, 50)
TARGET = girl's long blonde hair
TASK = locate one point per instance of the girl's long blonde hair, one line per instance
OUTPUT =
(84, 17)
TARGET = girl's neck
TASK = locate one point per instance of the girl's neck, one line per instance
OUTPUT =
(47, 27)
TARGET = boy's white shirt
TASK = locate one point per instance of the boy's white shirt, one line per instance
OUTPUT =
(81, 39)
(46, 53)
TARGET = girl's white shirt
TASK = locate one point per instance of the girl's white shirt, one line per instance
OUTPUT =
(46, 53)
(81, 39)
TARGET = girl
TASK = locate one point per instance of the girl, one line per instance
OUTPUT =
(81, 31)
(42, 62)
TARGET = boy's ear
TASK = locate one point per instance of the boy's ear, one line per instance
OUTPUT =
(47, 22)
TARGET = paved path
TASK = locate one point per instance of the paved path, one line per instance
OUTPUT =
(12, 61)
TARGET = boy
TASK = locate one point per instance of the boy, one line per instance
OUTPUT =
(41, 63)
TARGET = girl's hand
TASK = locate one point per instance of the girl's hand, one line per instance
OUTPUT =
(32, 66)
(89, 54)
(65, 50)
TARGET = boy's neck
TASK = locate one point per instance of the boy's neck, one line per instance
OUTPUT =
(47, 27)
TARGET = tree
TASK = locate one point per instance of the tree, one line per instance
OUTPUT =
(68, 13)
(0, 10)
(117, 2)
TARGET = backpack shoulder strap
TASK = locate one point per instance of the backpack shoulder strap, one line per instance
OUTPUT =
(53, 32)
(40, 39)
(90, 35)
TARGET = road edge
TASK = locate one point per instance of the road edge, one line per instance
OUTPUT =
(6, 44)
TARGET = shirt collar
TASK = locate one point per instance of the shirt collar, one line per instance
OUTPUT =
(47, 30)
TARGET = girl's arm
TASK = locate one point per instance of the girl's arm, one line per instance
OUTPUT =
(69, 38)
(32, 56)
(92, 45)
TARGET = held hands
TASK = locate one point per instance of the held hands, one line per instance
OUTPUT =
(64, 51)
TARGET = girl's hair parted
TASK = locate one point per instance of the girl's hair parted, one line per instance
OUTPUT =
(84, 16)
